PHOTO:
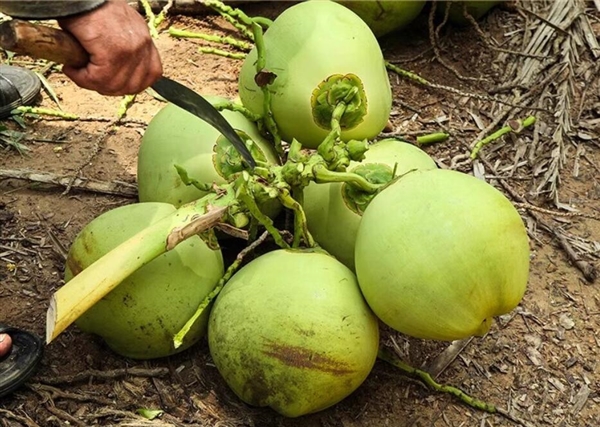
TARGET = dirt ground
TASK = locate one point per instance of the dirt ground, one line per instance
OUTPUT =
(540, 362)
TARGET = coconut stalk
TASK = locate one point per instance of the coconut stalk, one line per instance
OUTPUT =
(93, 283)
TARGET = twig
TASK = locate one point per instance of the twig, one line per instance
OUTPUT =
(416, 78)
(70, 419)
(434, 33)
(55, 392)
(91, 156)
(117, 188)
(232, 231)
(104, 375)
(487, 39)
(12, 416)
(588, 269)
(531, 207)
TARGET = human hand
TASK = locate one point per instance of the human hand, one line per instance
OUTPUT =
(123, 58)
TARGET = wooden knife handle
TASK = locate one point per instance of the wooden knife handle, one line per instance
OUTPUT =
(43, 42)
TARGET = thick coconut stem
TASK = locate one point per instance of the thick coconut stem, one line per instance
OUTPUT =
(393, 360)
(232, 106)
(261, 62)
(322, 175)
(326, 148)
(300, 223)
(264, 220)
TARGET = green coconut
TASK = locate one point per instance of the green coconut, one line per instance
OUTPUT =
(319, 53)
(139, 318)
(440, 253)
(384, 17)
(333, 210)
(176, 137)
(292, 331)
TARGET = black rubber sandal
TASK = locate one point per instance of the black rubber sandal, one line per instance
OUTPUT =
(18, 86)
(21, 361)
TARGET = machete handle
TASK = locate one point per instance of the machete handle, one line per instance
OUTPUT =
(43, 42)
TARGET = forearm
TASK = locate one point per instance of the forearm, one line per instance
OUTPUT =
(47, 9)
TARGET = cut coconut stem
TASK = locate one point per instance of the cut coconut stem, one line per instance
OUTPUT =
(124, 105)
(515, 126)
(231, 41)
(45, 112)
(232, 106)
(220, 52)
(432, 138)
(97, 280)
(151, 18)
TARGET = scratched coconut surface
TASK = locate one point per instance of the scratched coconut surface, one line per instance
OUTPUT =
(540, 363)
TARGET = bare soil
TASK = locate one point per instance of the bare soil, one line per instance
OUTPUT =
(540, 362)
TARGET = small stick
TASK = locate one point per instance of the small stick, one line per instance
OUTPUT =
(416, 78)
(12, 416)
(78, 397)
(116, 188)
(434, 35)
(105, 375)
(94, 152)
(529, 206)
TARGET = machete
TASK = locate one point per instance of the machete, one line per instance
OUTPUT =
(40, 41)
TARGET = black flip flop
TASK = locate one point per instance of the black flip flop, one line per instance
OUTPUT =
(18, 86)
(21, 361)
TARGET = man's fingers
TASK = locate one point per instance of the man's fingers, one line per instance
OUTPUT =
(5, 344)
